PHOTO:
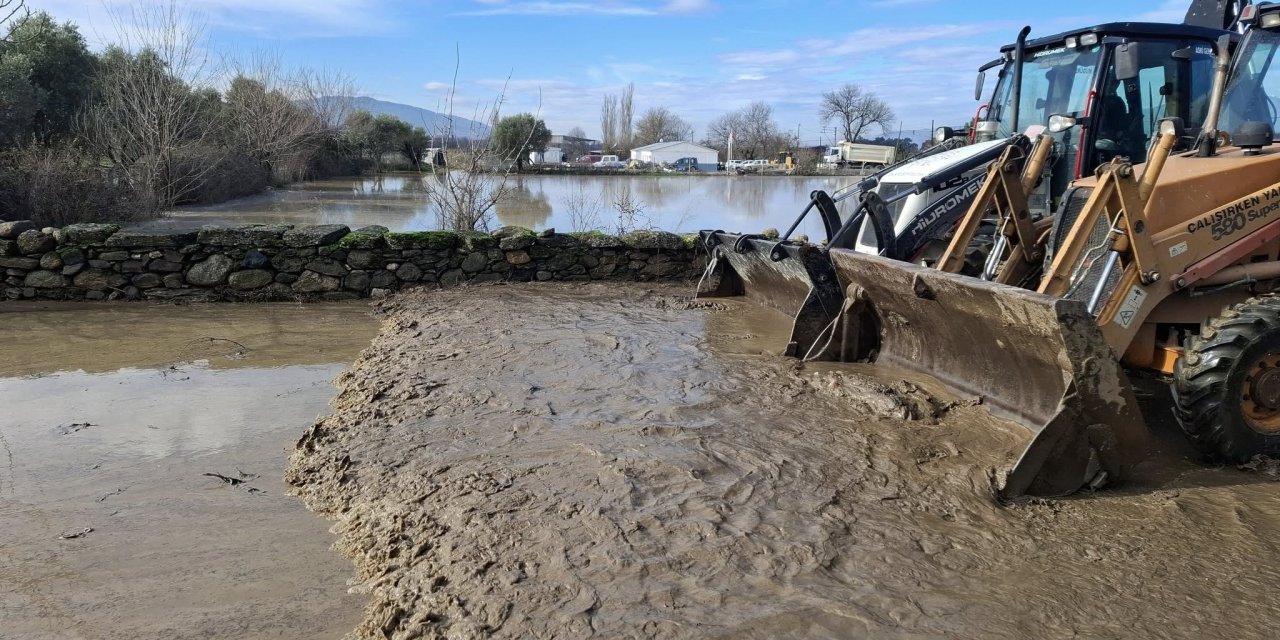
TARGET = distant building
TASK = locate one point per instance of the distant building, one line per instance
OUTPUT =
(553, 155)
(572, 147)
(669, 152)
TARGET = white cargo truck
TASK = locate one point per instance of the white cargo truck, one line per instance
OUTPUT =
(858, 155)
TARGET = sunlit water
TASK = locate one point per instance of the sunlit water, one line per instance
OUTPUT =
(567, 203)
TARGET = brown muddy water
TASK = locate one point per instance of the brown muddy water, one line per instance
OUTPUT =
(675, 203)
(617, 462)
(111, 415)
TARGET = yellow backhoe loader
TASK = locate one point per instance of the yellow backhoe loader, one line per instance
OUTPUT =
(1171, 266)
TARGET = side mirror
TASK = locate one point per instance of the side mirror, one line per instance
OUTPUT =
(977, 89)
(1127, 61)
(1059, 123)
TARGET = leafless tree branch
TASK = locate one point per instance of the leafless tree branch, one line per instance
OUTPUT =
(13, 12)
(854, 111)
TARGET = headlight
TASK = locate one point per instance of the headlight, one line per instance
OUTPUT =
(942, 134)
(1270, 20)
(1072, 42)
(1088, 39)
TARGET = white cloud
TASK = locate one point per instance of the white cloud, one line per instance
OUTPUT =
(602, 8)
(688, 6)
(761, 58)
(272, 18)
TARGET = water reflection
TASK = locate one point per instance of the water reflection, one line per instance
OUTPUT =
(526, 205)
(402, 203)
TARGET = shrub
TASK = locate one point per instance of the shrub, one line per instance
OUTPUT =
(221, 176)
(57, 186)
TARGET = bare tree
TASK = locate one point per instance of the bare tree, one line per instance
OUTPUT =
(754, 129)
(146, 118)
(12, 12)
(719, 130)
(660, 124)
(330, 94)
(268, 114)
(854, 111)
(574, 149)
(609, 122)
(630, 211)
(467, 194)
(583, 208)
(626, 114)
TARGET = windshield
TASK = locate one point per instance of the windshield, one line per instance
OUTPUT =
(1173, 80)
(1054, 81)
(1252, 93)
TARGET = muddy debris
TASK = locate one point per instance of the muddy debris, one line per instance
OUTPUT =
(590, 461)
(75, 427)
(72, 535)
(239, 481)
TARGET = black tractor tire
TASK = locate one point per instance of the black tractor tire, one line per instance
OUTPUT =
(1235, 358)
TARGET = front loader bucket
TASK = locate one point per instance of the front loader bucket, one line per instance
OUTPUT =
(796, 279)
(1038, 361)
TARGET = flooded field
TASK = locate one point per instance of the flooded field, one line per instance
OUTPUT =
(596, 461)
(400, 203)
(141, 454)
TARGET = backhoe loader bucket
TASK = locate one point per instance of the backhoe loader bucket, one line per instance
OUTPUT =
(796, 279)
(1038, 361)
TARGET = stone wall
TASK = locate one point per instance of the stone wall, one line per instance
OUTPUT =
(330, 262)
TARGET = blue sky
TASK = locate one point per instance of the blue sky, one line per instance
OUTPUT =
(699, 58)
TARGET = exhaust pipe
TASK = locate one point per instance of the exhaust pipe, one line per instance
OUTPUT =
(1019, 53)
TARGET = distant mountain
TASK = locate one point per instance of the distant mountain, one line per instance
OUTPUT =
(435, 123)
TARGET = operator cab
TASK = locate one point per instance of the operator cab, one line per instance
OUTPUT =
(1250, 113)
(1103, 90)
(1100, 92)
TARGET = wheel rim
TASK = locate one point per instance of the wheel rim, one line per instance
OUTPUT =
(1261, 395)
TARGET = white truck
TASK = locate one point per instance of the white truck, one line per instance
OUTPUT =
(859, 155)
(609, 162)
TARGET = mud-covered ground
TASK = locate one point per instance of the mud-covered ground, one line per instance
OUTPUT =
(601, 461)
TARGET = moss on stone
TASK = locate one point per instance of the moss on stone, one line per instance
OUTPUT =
(422, 240)
(360, 241)
(513, 232)
(596, 239)
(653, 240)
(690, 240)
(477, 240)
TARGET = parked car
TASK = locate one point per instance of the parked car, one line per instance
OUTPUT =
(588, 159)
(683, 165)
(609, 162)
(748, 166)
